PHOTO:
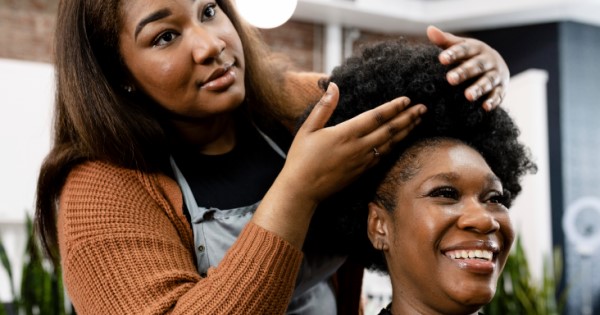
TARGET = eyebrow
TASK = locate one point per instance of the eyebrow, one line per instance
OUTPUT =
(160, 14)
(451, 176)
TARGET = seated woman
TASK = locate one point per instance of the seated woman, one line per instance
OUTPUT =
(435, 206)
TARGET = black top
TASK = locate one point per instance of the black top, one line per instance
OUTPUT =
(388, 310)
(235, 179)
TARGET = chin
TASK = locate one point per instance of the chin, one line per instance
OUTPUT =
(472, 300)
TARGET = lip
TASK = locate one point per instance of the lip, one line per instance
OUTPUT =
(220, 79)
(473, 265)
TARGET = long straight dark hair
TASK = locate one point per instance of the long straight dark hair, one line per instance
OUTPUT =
(96, 119)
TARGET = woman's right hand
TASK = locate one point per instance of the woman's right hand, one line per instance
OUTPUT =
(321, 161)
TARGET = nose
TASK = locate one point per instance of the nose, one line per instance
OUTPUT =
(477, 218)
(206, 46)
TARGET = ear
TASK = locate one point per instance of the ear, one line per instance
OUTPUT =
(378, 226)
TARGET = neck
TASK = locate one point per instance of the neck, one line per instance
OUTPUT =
(213, 136)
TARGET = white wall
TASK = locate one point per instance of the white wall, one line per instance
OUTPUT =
(27, 96)
(531, 212)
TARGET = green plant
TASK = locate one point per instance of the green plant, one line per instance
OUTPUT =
(518, 293)
(41, 285)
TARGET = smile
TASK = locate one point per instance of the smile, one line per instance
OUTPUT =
(471, 254)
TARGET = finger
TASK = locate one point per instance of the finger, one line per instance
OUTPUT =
(483, 85)
(322, 111)
(455, 47)
(464, 50)
(469, 69)
(400, 127)
(371, 120)
(396, 129)
(495, 98)
(442, 39)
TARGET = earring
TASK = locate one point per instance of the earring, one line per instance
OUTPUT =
(380, 245)
(128, 88)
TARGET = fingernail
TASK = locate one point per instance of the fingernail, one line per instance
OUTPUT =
(475, 93)
(453, 77)
(328, 91)
(488, 105)
(448, 55)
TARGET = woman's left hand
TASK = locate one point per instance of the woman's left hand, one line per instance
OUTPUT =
(477, 60)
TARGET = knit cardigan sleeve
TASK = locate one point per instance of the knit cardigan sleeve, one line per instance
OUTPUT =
(126, 248)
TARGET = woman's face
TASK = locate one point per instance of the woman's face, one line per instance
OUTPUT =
(449, 236)
(186, 55)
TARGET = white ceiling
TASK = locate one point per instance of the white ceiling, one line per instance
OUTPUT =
(412, 16)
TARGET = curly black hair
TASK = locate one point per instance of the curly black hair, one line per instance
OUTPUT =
(378, 74)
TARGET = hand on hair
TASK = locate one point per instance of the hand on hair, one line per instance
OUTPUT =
(477, 60)
(322, 160)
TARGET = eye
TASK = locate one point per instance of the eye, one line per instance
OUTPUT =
(164, 38)
(208, 12)
(498, 198)
(444, 192)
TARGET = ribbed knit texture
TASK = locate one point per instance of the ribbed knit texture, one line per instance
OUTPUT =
(126, 248)
(301, 90)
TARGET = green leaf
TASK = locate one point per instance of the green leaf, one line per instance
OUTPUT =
(41, 286)
(7, 267)
(518, 293)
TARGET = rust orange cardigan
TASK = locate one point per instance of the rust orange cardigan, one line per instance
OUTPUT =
(126, 248)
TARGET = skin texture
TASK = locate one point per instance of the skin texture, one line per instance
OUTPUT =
(194, 68)
(452, 201)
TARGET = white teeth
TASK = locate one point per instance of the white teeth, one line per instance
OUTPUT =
(471, 254)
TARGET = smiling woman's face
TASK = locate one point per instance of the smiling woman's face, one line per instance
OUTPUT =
(186, 55)
(449, 235)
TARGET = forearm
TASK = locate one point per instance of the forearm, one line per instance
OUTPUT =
(257, 276)
(284, 212)
(124, 252)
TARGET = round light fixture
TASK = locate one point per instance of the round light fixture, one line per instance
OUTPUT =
(266, 13)
(581, 223)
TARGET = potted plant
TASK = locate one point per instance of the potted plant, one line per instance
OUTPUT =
(41, 291)
(518, 293)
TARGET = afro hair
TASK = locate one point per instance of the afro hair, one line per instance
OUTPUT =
(379, 73)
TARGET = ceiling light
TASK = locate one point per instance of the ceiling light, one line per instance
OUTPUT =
(266, 13)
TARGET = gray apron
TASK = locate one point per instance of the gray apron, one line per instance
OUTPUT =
(215, 230)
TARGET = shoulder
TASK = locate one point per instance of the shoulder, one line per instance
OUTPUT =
(304, 85)
(299, 91)
(97, 178)
(104, 199)
(101, 188)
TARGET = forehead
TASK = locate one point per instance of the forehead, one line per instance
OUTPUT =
(439, 155)
(133, 10)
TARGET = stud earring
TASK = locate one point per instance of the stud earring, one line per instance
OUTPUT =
(128, 88)
(380, 246)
